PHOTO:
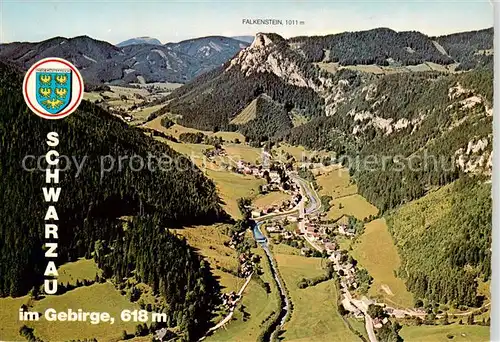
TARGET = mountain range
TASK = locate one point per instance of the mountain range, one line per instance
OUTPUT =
(139, 40)
(349, 111)
(136, 62)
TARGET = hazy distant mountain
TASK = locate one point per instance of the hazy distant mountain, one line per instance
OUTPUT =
(101, 62)
(139, 40)
(97, 60)
(246, 39)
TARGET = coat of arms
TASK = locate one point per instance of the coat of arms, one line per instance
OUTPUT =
(53, 89)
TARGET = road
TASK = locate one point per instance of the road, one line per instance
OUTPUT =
(314, 205)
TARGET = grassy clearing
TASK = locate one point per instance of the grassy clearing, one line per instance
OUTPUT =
(175, 130)
(165, 86)
(336, 183)
(270, 199)
(282, 248)
(257, 303)
(298, 152)
(142, 114)
(247, 114)
(375, 251)
(230, 136)
(440, 333)
(359, 326)
(97, 297)
(92, 96)
(244, 152)
(82, 269)
(9, 309)
(209, 241)
(354, 205)
(386, 70)
(232, 186)
(315, 316)
(192, 151)
(299, 119)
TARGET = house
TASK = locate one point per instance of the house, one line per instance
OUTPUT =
(345, 230)
(274, 228)
(313, 236)
(330, 247)
(256, 213)
(377, 323)
(311, 229)
(160, 334)
(304, 250)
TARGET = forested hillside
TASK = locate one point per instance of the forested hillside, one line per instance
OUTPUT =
(444, 239)
(470, 48)
(272, 118)
(169, 266)
(90, 204)
(377, 46)
(211, 103)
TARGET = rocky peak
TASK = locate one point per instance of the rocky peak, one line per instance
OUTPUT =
(261, 40)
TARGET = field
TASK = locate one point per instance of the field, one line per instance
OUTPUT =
(176, 130)
(193, 151)
(359, 326)
(257, 303)
(209, 241)
(230, 136)
(82, 269)
(465, 333)
(247, 114)
(97, 297)
(282, 248)
(386, 70)
(315, 316)
(354, 205)
(375, 251)
(336, 183)
(9, 308)
(298, 152)
(232, 186)
(270, 199)
(142, 114)
(244, 152)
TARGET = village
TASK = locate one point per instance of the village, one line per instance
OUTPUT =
(312, 234)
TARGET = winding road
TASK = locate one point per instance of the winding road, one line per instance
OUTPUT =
(314, 205)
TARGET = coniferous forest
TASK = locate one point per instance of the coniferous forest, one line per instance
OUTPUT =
(91, 204)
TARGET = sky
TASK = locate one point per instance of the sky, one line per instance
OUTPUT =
(172, 21)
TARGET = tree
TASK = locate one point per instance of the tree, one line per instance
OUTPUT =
(445, 320)
(470, 319)
(376, 311)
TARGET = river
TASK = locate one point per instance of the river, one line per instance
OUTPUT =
(285, 309)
